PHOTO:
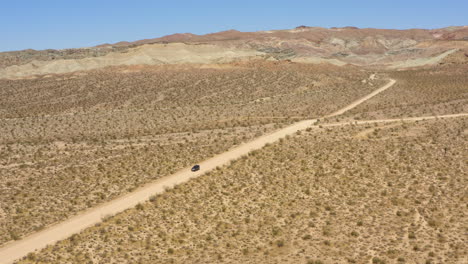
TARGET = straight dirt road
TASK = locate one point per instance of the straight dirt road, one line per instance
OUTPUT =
(406, 119)
(362, 100)
(17, 249)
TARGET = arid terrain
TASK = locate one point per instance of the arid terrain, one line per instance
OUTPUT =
(420, 92)
(357, 194)
(72, 141)
(377, 48)
(81, 128)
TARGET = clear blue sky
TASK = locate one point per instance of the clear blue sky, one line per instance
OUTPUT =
(41, 24)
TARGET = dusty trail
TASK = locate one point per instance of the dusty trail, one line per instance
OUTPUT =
(363, 99)
(17, 249)
(406, 119)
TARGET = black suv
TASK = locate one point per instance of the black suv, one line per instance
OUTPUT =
(196, 167)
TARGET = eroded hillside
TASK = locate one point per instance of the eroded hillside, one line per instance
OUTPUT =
(382, 48)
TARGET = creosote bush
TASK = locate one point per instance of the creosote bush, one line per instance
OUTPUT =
(72, 141)
(351, 221)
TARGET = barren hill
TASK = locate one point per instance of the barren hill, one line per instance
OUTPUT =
(384, 48)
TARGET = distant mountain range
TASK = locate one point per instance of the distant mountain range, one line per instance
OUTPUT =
(387, 48)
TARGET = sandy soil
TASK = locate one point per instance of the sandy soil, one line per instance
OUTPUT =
(18, 249)
(365, 98)
(73, 225)
(406, 119)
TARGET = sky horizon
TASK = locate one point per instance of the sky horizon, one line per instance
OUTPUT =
(55, 24)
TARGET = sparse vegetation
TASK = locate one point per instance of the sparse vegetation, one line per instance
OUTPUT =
(69, 142)
(204, 220)
(421, 92)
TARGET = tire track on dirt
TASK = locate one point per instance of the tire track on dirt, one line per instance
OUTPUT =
(17, 249)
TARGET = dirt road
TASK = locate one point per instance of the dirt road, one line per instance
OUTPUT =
(363, 99)
(17, 249)
(406, 119)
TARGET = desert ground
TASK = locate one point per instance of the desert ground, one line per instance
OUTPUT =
(86, 219)
(377, 172)
(88, 138)
(419, 92)
(380, 193)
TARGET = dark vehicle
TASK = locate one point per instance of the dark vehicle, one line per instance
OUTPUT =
(196, 167)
